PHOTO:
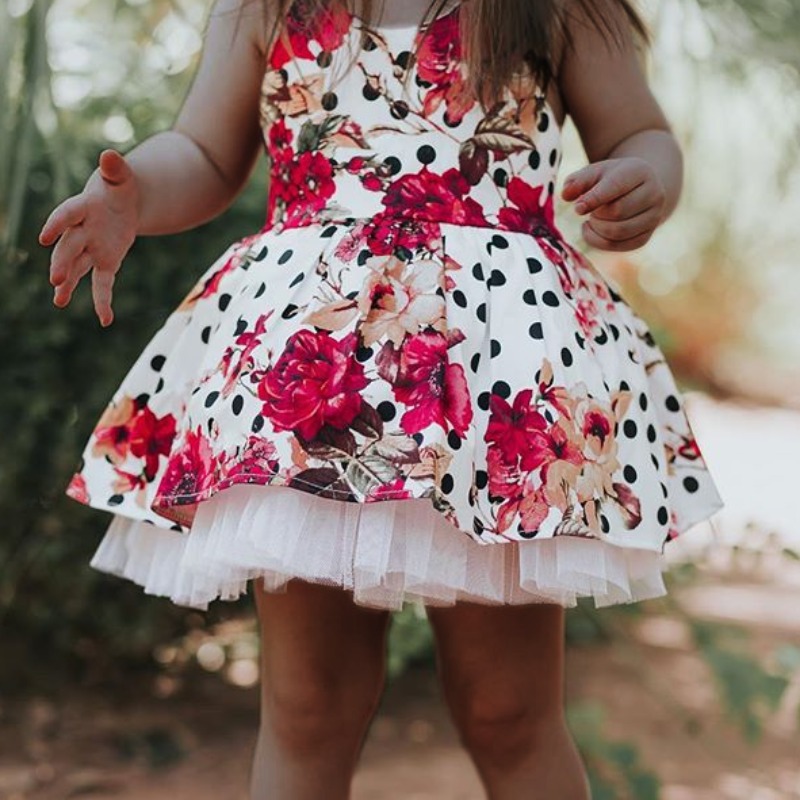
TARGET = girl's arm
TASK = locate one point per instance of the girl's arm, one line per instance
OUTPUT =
(634, 180)
(174, 180)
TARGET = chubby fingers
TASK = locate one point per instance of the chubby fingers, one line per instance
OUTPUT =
(79, 266)
(68, 214)
(102, 291)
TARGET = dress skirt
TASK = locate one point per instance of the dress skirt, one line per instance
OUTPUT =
(435, 449)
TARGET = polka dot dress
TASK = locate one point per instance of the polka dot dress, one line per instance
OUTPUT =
(407, 383)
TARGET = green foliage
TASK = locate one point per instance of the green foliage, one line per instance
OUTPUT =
(614, 767)
(747, 689)
(410, 641)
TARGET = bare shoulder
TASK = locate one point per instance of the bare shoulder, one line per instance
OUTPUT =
(600, 77)
(248, 21)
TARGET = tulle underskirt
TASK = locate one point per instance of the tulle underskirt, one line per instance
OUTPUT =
(386, 553)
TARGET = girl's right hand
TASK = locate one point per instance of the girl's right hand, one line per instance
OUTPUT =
(94, 229)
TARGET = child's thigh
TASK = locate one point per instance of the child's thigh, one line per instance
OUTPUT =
(315, 635)
(493, 658)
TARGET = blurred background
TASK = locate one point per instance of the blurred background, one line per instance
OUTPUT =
(107, 692)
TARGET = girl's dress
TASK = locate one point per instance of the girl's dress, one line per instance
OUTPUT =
(407, 383)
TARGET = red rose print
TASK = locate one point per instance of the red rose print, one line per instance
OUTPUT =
(327, 29)
(438, 198)
(190, 470)
(530, 215)
(517, 429)
(435, 390)
(150, 438)
(315, 382)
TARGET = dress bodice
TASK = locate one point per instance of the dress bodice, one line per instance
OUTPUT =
(379, 123)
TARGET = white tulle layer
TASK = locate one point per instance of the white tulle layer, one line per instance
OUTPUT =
(386, 553)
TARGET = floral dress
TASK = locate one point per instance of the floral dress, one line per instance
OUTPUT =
(407, 383)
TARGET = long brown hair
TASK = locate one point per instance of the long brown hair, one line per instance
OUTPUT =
(501, 36)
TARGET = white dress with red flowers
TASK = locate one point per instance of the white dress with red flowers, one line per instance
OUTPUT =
(407, 383)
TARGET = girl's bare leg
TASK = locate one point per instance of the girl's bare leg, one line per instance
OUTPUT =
(502, 674)
(322, 674)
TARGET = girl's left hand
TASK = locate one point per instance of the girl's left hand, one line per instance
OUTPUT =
(625, 201)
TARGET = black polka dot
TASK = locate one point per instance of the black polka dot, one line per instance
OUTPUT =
(418, 438)
(605, 525)
(477, 526)
(399, 109)
(285, 256)
(116, 499)
(454, 440)
(526, 534)
(601, 337)
(481, 479)
(328, 232)
(289, 311)
(625, 386)
(544, 121)
(690, 484)
(535, 330)
(387, 410)
(643, 401)
(629, 473)
(534, 159)
(261, 254)
(663, 515)
(363, 257)
(324, 59)
(500, 177)
(500, 242)
(426, 154)
(297, 279)
(241, 326)
(459, 298)
(566, 357)
(205, 334)
(258, 423)
(629, 428)
(551, 188)
(224, 300)
(534, 266)
(159, 386)
(672, 403)
(402, 60)
(553, 157)
(363, 353)
(614, 330)
(664, 489)
(393, 165)
(474, 361)
(529, 297)
(494, 348)
(501, 388)
(480, 312)
(157, 362)
(654, 460)
(329, 101)
(549, 298)
(580, 341)
(261, 289)
(211, 398)
(477, 271)
(651, 433)
(237, 404)
(496, 278)
(370, 92)
(483, 401)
